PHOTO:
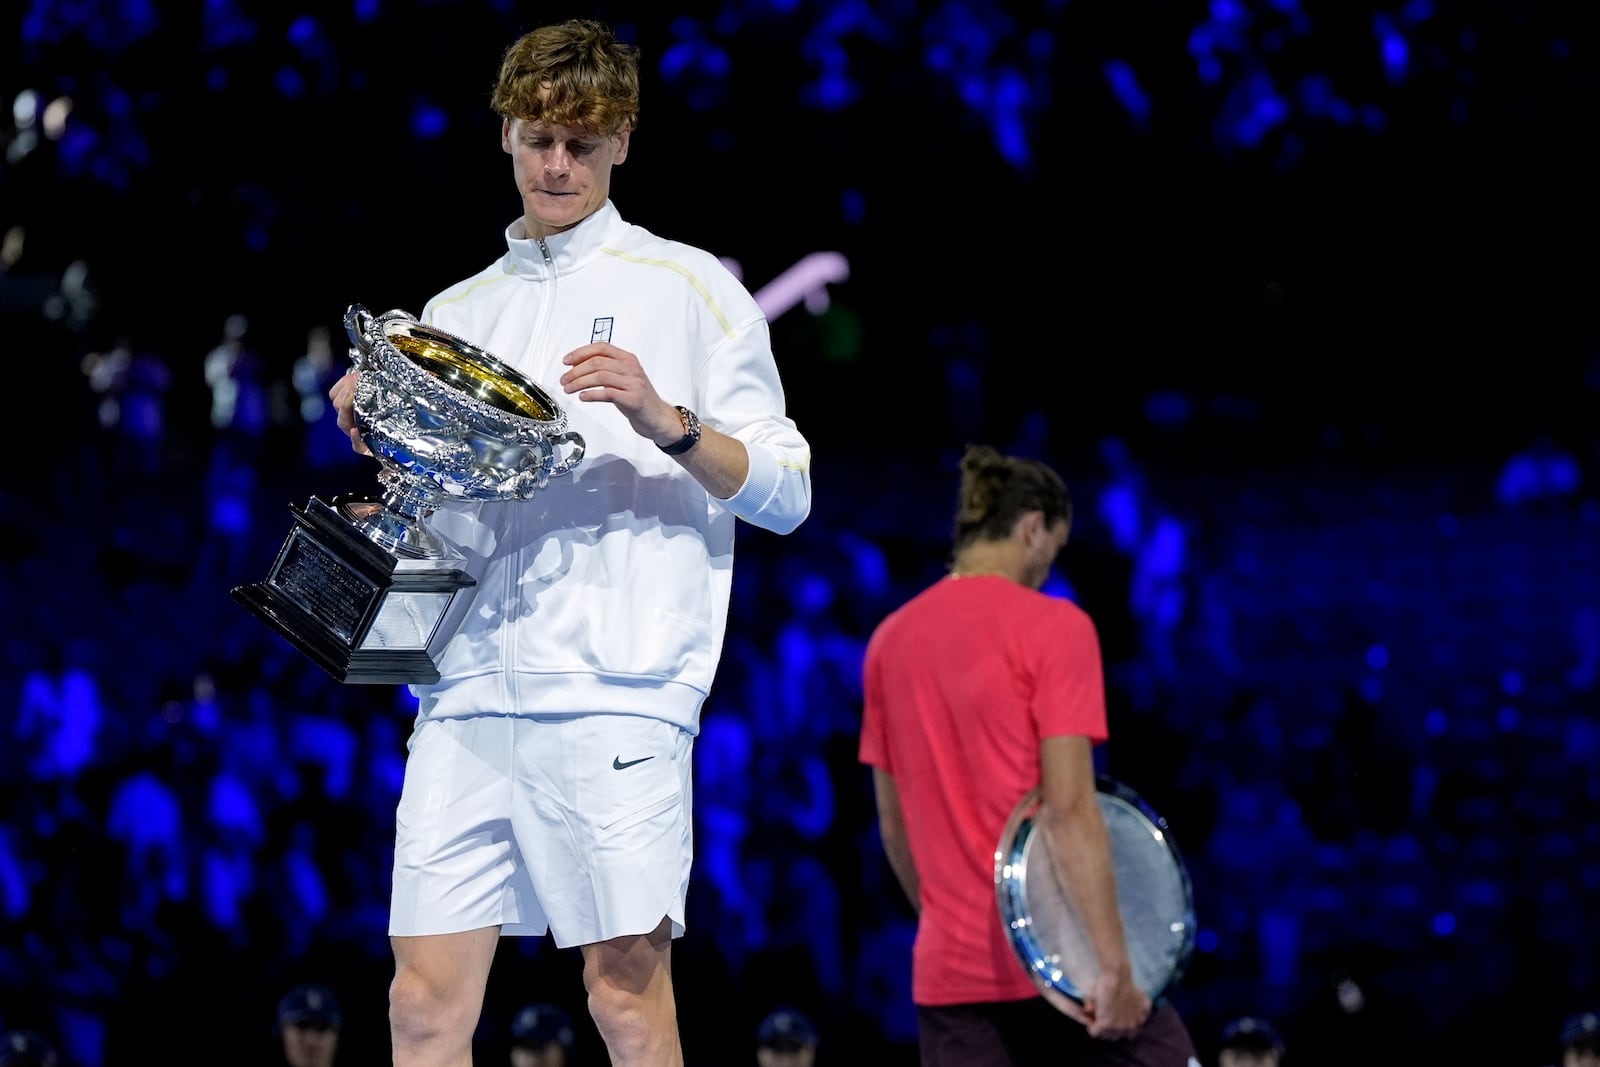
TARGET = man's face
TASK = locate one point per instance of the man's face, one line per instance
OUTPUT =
(552, 1055)
(804, 1056)
(1238, 1057)
(1579, 1057)
(309, 1044)
(562, 172)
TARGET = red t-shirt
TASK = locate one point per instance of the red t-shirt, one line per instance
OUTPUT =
(960, 685)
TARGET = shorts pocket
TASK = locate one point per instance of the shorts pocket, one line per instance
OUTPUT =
(648, 810)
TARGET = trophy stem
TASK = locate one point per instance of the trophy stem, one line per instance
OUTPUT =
(397, 523)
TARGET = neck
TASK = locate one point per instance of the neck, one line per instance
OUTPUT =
(976, 561)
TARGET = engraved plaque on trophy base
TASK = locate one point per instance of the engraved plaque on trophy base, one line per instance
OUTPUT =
(363, 614)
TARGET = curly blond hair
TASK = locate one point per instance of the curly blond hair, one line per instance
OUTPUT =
(574, 73)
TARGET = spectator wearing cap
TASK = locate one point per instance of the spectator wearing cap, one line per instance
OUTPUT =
(1250, 1041)
(308, 1026)
(1580, 1040)
(27, 1048)
(786, 1038)
(542, 1036)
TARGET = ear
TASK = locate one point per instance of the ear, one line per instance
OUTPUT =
(505, 134)
(1030, 525)
(622, 145)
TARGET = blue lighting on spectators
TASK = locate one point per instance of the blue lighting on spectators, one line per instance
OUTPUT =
(1252, 110)
(1057, 584)
(224, 26)
(290, 83)
(696, 66)
(429, 120)
(853, 206)
(1129, 94)
(833, 90)
(303, 30)
(1227, 11)
(1328, 780)
(1320, 101)
(1396, 52)
(1169, 408)
(1010, 129)
(1417, 11)
(78, 147)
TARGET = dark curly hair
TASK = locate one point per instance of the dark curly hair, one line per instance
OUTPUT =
(996, 490)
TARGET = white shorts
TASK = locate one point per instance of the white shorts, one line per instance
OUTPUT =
(577, 825)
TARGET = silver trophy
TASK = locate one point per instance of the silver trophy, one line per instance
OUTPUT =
(362, 584)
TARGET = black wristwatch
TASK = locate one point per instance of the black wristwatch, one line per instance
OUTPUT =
(691, 433)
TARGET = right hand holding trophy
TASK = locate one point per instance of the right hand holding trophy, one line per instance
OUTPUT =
(362, 583)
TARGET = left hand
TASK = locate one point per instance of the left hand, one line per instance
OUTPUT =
(1116, 1007)
(343, 395)
(603, 372)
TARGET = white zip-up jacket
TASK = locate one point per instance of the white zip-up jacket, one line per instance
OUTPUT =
(607, 590)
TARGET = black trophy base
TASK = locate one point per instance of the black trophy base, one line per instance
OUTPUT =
(360, 612)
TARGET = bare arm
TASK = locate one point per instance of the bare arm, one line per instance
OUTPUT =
(719, 462)
(1069, 817)
(892, 828)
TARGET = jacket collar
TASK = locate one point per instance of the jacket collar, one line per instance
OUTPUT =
(567, 250)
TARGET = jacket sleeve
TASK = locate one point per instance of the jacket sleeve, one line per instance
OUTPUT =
(743, 397)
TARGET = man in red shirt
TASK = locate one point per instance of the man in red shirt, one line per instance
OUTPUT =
(977, 690)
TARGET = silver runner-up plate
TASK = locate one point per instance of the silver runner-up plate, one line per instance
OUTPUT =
(1154, 896)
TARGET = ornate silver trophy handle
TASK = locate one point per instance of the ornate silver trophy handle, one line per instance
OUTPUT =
(569, 438)
(357, 321)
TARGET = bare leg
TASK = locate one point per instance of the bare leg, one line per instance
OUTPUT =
(629, 980)
(437, 996)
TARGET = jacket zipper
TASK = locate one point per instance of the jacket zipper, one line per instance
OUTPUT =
(535, 356)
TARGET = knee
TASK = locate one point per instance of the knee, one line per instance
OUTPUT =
(620, 1014)
(421, 1010)
(629, 981)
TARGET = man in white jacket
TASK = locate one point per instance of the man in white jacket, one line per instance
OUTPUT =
(548, 781)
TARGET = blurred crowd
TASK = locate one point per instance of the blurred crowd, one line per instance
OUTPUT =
(1357, 678)
(188, 796)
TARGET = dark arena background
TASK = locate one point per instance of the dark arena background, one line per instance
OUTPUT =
(1299, 296)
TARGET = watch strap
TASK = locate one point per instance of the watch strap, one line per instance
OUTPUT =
(691, 433)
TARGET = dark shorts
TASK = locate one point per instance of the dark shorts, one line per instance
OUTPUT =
(1023, 1033)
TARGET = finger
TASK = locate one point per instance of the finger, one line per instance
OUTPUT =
(583, 352)
(599, 379)
(579, 372)
(599, 392)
